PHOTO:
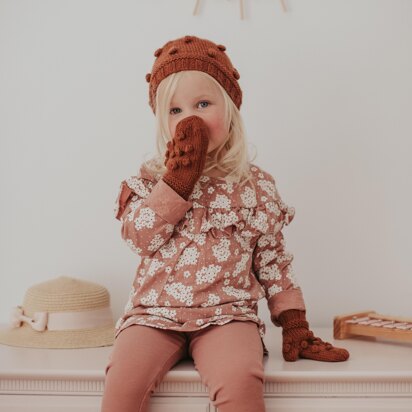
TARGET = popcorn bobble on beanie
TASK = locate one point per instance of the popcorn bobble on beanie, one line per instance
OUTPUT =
(194, 53)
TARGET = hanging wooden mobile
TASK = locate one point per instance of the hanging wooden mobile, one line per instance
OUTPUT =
(195, 11)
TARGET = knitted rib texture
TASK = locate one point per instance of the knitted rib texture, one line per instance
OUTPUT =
(194, 53)
(299, 341)
(186, 155)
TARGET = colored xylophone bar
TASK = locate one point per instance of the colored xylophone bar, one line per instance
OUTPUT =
(372, 324)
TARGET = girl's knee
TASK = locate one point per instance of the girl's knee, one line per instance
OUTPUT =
(125, 390)
(237, 382)
(126, 377)
(246, 378)
(239, 392)
(246, 370)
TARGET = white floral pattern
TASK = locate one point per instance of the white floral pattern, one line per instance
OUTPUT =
(226, 252)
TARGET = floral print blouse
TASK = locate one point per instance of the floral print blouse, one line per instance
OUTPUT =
(210, 259)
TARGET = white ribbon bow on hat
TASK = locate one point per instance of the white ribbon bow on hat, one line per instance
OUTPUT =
(85, 319)
(38, 322)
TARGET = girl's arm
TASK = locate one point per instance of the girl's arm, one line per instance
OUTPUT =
(273, 268)
(272, 263)
(149, 212)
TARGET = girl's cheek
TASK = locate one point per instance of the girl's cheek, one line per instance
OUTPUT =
(172, 128)
(216, 126)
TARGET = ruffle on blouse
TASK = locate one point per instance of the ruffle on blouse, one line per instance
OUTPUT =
(125, 193)
(287, 213)
(134, 185)
(223, 222)
(267, 217)
(140, 185)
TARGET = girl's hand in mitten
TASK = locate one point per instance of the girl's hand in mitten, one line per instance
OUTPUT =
(186, 155)
(299, 341)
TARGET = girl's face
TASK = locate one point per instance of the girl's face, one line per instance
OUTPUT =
(196, 96)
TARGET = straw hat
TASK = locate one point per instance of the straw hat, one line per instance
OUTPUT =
(62, 313)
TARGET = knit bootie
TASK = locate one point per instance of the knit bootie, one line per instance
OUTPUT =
(185, 156)
(299, 341)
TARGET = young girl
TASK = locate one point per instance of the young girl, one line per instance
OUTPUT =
(207, 224)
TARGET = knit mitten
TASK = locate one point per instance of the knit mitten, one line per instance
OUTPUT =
(186, 155)
(299, 341)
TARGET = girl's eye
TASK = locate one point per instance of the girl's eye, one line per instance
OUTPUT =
(202, 101)
(171, 110)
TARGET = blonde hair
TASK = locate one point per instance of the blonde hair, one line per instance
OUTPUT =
(235, 162)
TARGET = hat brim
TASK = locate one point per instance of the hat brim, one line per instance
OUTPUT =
(25, 336)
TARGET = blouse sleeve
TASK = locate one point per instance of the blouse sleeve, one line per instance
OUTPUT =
(272, 263)
(148, 212)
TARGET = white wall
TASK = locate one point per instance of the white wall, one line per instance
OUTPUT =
(327, 104)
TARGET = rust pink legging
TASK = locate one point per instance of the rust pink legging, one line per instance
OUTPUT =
(229, 359)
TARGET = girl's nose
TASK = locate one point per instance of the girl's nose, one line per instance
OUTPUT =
(194, 115)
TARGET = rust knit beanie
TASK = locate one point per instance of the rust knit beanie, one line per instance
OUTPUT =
(194, 53)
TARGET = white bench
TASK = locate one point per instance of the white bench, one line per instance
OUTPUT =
(377, 377)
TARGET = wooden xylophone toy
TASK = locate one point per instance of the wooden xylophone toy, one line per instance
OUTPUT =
(372, 324)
